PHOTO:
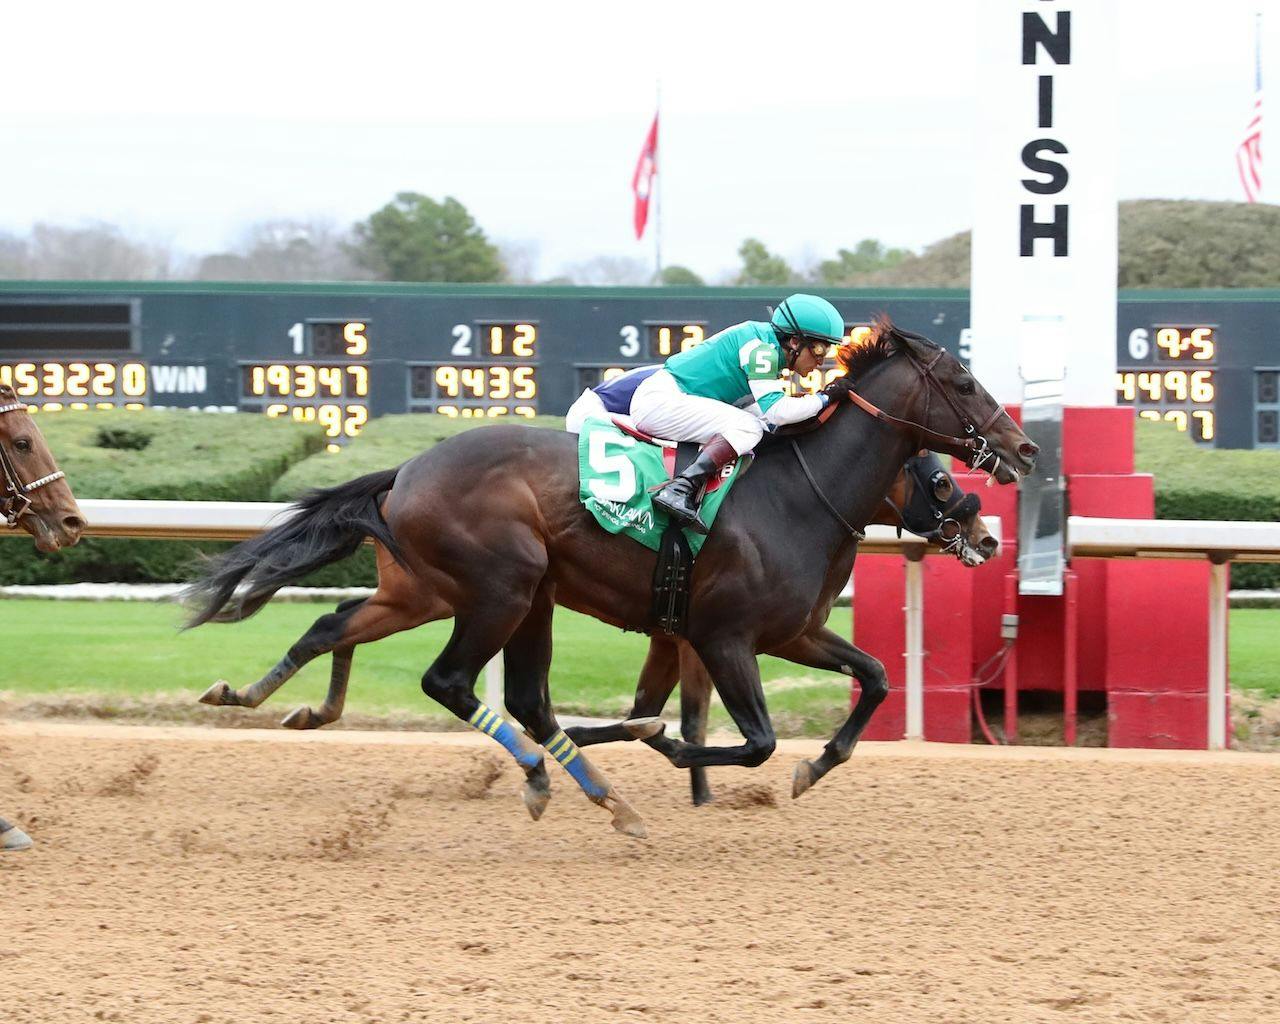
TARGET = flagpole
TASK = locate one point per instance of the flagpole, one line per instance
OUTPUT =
(657, 198)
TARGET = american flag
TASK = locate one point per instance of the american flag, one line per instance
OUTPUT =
(1249, 152)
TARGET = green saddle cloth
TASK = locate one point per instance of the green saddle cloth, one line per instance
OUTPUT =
(615, 472)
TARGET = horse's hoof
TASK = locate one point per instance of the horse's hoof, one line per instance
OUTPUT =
(802, 778)
(14, 839)
(702, 799)
(535, 799)
(217, 694)
(644, 728)
(631, 826)
(299, 718)
(625, 818)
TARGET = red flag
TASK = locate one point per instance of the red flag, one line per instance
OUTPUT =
(1249, 152)
(642, 180)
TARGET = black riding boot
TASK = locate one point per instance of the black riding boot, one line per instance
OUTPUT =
(680, 498)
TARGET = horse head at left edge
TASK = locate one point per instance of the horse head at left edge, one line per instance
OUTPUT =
(34, 493)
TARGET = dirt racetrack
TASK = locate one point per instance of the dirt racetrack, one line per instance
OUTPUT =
(184, 875)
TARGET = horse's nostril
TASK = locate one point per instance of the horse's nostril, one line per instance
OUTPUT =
(73, 524)
(988, 546)
(1028, 450)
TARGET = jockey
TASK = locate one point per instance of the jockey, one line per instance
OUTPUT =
(727, 391)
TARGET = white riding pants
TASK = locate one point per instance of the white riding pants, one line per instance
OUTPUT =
(660, 408)
(587, 405)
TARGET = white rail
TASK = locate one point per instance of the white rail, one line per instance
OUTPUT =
(240, 520)
(180, 520)
(1218, 541)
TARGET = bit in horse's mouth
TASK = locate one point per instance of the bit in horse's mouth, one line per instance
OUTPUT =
(1016, 473)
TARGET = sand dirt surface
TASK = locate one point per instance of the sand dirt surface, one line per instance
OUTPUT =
(192, 876)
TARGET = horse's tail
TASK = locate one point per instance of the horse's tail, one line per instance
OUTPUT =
(325, 525)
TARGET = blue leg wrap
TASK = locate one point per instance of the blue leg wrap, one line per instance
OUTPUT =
(566, 752)
(493, 724)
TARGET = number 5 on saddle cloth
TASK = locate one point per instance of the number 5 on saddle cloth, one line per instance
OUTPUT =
(618, 468)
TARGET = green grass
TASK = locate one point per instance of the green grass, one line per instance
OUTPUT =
(133, 649)
(1255, 650)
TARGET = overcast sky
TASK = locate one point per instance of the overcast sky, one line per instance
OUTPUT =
(809, 125)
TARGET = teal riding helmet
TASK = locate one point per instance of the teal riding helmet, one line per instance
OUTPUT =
(810, 318)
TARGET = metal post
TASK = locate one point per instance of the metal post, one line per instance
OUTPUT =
(1070, 672)
(1011, 663)
(493, 684)
(1218, 584)
(914, 610)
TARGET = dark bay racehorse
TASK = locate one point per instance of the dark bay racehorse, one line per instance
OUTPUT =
(924, 500)
(487, 528)
(35, 496)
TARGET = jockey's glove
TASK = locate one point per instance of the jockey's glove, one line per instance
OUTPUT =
(838, 389)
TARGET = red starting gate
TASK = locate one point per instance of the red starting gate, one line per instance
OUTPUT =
(1135, 631)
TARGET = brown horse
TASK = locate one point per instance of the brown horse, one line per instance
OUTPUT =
(487, 528)
(36, 498)
(924, 500)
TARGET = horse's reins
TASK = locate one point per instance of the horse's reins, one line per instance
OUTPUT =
(15, 504)
(975, 443)
(857, 534)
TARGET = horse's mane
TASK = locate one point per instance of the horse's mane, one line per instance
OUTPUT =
(856, 358)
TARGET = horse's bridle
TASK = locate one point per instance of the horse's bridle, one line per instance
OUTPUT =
(941, 523)
(14, 503)
(974, 443)
(979, 453)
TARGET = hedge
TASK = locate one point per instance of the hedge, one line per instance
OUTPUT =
(1212, 483)
(152, 454)
(385, 442)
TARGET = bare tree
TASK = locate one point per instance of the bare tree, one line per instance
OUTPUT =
(609, 270)
(285, 250)
(93, 252)
(520, 260)
(13, 256)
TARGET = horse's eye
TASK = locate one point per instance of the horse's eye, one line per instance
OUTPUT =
(22, 444)
(965, 387)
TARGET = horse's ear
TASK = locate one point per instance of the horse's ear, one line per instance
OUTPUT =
(904, 341)
(7, 393)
